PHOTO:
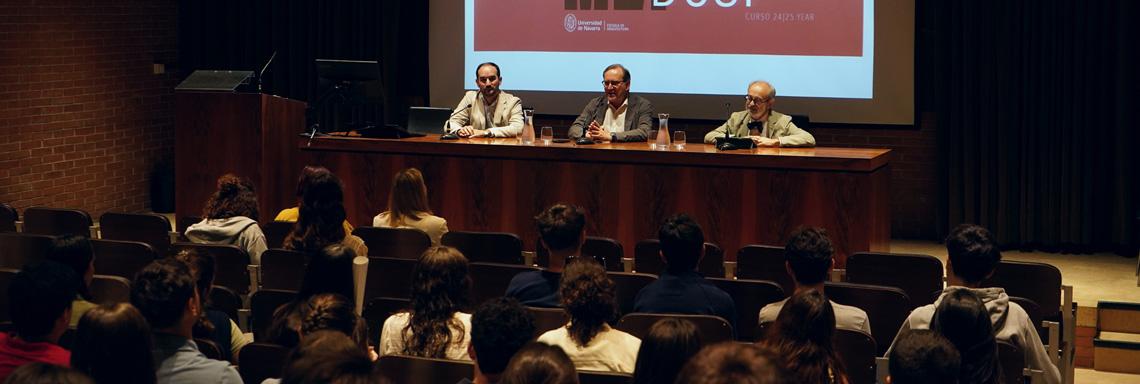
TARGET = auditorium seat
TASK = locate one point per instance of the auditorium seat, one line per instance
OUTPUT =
(6, 275)
(1035, 281)
(18, 249)
(121, 257)
(377, 310)
(490, 280)
(8, 218)
(647, 259)
(857, 351)
(546, 319)
(183, 222)
(606, 251)
(110, 289)
(886, 307)
(597, 377)
(415, 370)
(227, 301)
(150, 228)
(57, 221)
(763, 262)
(389, 277)
(400, 243)
(486, 247)
(713, 329)
(260, 361)
(208, 348)
(749, 296)
(628, 285)
(1013, 368)
(275, 232)
(917, 275)
(283, 269)
(262, 304)
(231, 263)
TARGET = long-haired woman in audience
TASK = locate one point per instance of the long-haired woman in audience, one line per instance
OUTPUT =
(408, 206)
(75, 251)
(321, 216)
(329, 271)
(230, 217)
(291, 214)
(213, 325)
(113, 345)
(963, 319)
(665, 349)
(435, 326)
(802, 336)
(588, 297)
(538, 363)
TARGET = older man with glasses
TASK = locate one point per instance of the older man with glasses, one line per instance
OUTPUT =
(766, 128)
(615, 116)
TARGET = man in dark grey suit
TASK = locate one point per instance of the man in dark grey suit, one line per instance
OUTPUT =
(616, 116)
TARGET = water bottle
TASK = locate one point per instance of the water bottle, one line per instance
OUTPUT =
(527, 136)
(663, 132)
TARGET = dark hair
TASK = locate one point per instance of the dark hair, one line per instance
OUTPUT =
(44, 373)
(38, 295)
(329, 357)
(624, 71)
(234, 197)
(973, 252)
(74, 251)
(923, 356)
(480, 66)
(963, 319)
(588, 296)
(499, 328)
(732, 363)
(161, 290)
(809, 254)
(560, 226)
(802, 337)
(440, 287)
(538, 363)
(407, 198)
(329, 271)
(113, 345)
(321, 213)
(682, 242)
(330, 311)
(665, 349)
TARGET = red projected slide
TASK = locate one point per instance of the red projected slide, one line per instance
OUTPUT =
(770, 27)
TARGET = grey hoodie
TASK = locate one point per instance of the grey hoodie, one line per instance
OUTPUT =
(238, 230)
(1010, 322)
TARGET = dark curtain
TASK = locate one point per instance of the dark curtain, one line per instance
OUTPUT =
(242, 35)
(1033, 100)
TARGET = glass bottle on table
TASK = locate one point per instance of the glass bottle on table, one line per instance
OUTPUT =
(662, 141)
(527, 136)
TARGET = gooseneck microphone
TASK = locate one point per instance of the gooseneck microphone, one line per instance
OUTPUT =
(584, 140)
(451, 135)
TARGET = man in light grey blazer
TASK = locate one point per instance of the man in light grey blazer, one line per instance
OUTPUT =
(766, 128)
(488, 112)
(617, 115)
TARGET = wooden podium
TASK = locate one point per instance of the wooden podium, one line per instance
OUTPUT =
(248, 134)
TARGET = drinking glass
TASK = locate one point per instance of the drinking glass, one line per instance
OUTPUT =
(679, 140)
(547, 135)
(653, 139)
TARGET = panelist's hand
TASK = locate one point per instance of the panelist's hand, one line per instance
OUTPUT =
(466, 131)
(598, 132)
(762, 141)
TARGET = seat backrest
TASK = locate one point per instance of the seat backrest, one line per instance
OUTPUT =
(377, 310)
(18, 249)
(110, 289)
(225, 300)
(628, 285)
(917, 275)
(606, 251)
(231, 264)
(1035, 281)
(857, 350)
(8, 218)
(487, 247)
(1012, 362)
(260, 361)
(389, 277)
(596, 377)
(283, 269)
(275, 232)
(6, 275)
(490, 280)
(151, 228)
(414, 370)
(262, 304)
(886, 308)
(546, 319)
(183, 222)
(1035, 317)
(647, 259)
(209, 348)
(400, 243)
(57, 221)
(763, 262)
(713, 329)
(750, 296)
(121, 257)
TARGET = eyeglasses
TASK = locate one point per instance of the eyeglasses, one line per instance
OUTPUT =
(612, 83)
(756, 100)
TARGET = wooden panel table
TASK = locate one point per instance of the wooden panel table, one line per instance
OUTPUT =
(739, 197)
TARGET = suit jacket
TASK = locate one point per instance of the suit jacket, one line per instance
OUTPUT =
(779, 126)
(507, 122)
(638, 118)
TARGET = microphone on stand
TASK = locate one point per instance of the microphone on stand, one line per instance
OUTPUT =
(452, 135)
(261, 73)
(583, 140)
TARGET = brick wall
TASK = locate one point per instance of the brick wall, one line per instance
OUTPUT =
(84, 118)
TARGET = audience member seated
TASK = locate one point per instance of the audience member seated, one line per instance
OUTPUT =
(165, 294)
(669, 344)
(923, 356)
(588, 298)
(733, 363)
(43, 373)
(329, 356)
(75, 251)
(230, 218)
(330, 311)
(39, 299)
(499, 328)
(962, 318)
(680, 288)
(973, 256)
(408, 207)
(802, 338)
(322, 208)
(809, 260)
(291, 214)
(329, 271)
(213, 325)
(538, 363)
(112, 345)
(562, 231)
(434, 327)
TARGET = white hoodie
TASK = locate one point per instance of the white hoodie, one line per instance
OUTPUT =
(238, 230)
